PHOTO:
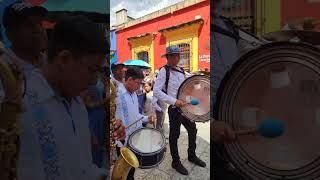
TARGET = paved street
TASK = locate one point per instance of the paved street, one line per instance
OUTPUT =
(164, 170)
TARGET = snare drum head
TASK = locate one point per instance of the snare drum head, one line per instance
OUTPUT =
(196, 87)
(147, 140)
(282, 81)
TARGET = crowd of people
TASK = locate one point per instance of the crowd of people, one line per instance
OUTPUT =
(66, 96)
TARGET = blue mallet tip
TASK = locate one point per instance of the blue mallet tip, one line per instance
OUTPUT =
(271, 128)
(194, 102)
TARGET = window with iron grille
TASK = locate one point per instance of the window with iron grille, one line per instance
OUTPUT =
(184, 56)
(242, 13)
(143, 55)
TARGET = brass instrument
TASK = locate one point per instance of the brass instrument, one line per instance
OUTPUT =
(113, 96)
(13, 83)
(127, 158)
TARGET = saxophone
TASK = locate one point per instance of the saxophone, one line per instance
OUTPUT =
(13, 83)
(113, 95)
(127, 159)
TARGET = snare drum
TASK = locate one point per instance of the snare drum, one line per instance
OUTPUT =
(279, 80)
(148, 144)
(198, 87)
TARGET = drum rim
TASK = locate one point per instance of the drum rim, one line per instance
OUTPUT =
(254, 170)
(181, 111)
(149, 154)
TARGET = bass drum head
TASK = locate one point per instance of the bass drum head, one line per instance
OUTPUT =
(279, 80)
(198, 87)
(147, 141)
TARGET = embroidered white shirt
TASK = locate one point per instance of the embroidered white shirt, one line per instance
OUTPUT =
(55, 139)
(128, 111)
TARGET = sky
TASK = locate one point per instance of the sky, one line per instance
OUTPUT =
(138, 8)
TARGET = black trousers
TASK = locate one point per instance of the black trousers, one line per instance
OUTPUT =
(175, 121)
(132, 170)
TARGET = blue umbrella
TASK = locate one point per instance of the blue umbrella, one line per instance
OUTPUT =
(137, 62)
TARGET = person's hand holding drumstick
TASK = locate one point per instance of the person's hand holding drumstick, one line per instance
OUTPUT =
(151, 119)
(267, 128)
(179, 103)
(221, 132)
(120, 130)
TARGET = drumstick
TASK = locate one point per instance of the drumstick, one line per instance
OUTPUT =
(134, 122)
(246, 132)
(193, 102)
(269, 128)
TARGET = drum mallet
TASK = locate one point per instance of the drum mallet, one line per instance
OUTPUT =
(134, 122)
(269, 128)
(193, 102)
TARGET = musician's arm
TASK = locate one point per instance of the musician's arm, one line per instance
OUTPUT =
(159, 85)
(144, 118)
(155, 104)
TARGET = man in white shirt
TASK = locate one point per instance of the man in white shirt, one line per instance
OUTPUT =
(20, 20)
(22, 23)
(128, 106)
(55, 139)
(117, 76)
(224, 53)
(166, 88)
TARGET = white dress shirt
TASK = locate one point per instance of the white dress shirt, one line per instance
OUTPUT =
(55, 139)
(120, 86)
(224, 54)
(155, 104)
(128, 111)
(175, 80)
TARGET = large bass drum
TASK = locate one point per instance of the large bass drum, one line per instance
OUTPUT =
(196, 87)
(279, 80)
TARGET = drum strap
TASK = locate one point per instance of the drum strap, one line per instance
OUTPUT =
(235, 32)
(167, 68)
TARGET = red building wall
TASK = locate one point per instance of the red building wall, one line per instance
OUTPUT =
(296, 9)
(154, 25)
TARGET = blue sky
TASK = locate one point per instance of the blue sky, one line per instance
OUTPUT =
(138, 8)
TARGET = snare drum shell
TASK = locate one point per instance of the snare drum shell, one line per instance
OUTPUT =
(148, 160)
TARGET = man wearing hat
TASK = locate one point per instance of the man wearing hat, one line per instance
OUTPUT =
(22, 23)
(23, 27)
(117, 76)
(166, 87)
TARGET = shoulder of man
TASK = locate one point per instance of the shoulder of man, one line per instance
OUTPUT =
(37, 89)
(162, 70)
